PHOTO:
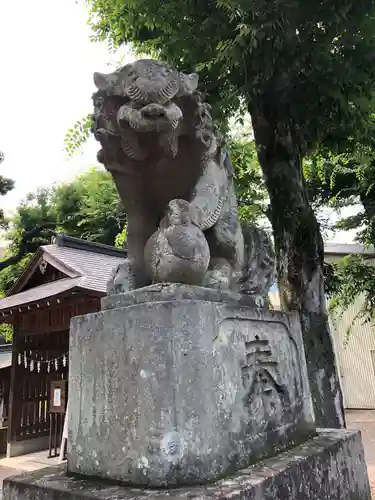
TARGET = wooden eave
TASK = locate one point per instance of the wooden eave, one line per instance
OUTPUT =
(35, 299)
(38, 257)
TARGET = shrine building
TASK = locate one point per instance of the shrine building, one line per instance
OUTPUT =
(62, 280)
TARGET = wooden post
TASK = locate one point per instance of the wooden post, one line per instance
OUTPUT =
(12, 403)
(57, 409)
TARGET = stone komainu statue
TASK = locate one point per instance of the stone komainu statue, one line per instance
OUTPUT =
(175, 179)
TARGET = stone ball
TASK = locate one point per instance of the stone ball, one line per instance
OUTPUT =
(177, 254)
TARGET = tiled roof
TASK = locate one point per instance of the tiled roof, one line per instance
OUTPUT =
(39, 292)
(88, 266)
(347, 248)
(94, 268)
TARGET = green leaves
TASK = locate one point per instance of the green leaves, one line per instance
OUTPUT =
(344, 180)
(353, 278)
(6, 332)
(250, 189)
(88, 207)
(323, 53)
(120, 240)
(78, 134)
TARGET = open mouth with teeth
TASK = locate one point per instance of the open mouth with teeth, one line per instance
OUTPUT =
(149, 118)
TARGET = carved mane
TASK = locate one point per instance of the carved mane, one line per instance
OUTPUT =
(179, 89)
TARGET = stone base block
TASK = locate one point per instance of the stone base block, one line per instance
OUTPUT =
(182, 390)
(328, 467)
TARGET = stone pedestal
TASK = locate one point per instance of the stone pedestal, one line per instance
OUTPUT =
(180, 392)
(170, 392)
(330, 466)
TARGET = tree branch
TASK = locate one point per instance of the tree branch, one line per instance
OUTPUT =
(39, 230)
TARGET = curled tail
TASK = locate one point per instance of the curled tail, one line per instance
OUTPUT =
(259, 271)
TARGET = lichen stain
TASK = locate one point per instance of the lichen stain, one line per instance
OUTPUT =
(143, 464)
(223, 338)
(171, 447)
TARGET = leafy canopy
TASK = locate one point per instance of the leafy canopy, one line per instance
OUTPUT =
(250, 189)
(353, 277)
(317, 57)
(88, 207)
(348, 180)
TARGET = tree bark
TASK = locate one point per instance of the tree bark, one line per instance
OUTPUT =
(300, 252)
(369, 207)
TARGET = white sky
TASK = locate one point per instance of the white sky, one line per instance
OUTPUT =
(46, 65)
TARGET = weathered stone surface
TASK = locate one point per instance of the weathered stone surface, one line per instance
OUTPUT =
(181, 392)
(178, 251)
(161, 146)
(121, 280)
(328, 467)
(176, 292)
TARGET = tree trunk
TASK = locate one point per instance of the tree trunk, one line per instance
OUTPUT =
(368, 203)
(300, 251)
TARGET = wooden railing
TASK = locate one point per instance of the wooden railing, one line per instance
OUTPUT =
(30, 417)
